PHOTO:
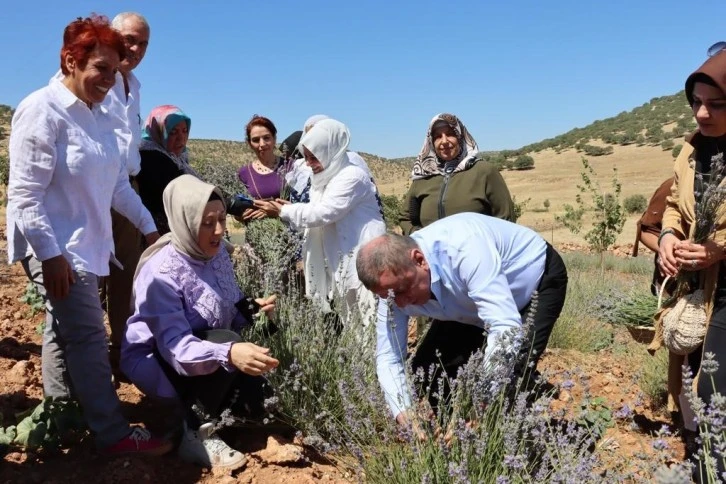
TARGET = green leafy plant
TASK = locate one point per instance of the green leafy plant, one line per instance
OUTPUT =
(32, 298)
(46, 426)
(595, 414)
(608, 213)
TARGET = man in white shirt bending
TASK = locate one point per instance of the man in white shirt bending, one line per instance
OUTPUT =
(476, 276)
(123, 103)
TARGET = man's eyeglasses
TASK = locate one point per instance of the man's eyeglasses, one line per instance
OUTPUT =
(716, 48)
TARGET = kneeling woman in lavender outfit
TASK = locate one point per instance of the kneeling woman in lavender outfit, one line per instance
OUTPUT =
(182, 342)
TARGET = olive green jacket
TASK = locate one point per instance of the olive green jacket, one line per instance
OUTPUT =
(480, 188)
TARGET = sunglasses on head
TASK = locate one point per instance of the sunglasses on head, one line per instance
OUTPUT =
(716, 48)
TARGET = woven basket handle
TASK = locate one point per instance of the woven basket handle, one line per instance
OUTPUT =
(662, 289)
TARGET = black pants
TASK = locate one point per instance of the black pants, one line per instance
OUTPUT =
(714, 342)
(243, 394)
(448, 345)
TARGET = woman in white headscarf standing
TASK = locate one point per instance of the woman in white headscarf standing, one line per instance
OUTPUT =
(343, 213)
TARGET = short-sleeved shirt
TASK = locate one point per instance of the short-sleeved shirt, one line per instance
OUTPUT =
(652, 218)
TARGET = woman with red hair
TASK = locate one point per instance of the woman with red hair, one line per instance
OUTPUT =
(65, 175)
(263, 178)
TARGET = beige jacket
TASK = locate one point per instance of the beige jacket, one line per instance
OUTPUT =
(680, 216)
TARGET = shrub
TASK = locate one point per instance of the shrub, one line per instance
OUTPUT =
(667, 145)
(635, 203)
(391, 210)
(591, 150)
(519, 207)
(546, 204)
(523, 162)
(4, 170)
(676, 151)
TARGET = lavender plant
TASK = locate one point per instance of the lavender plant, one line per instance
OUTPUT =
(710, 207)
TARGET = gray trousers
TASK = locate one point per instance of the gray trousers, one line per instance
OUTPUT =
(75, 354)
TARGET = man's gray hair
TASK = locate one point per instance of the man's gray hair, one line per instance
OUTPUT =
(118, 20)
(388, 252)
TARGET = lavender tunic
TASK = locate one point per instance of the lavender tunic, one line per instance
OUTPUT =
(176, 295)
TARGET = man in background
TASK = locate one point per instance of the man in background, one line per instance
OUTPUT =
(123, 102)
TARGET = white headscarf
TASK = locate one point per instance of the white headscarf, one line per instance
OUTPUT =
(328, 140)
(300, 173)
(310, 122)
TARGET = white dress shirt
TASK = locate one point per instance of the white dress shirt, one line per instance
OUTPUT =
(127, 122)
(128, 132)
(484, 271)
(65, 175)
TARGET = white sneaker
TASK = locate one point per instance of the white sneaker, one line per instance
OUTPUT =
(203, 448)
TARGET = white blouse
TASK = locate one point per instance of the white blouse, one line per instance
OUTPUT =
(65, 175)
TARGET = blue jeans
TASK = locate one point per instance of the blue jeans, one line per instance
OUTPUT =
(75, 354)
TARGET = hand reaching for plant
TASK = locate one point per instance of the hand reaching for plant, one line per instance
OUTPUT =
(252, 359)
(267, 305)
(404, 420)
(694, 257)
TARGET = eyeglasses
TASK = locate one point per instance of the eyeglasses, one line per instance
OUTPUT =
(716, 48)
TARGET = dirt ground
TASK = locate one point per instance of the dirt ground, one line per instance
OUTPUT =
(607, 374)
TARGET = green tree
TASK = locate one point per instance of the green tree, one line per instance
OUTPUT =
(608, 213)
(523, 162)
(635, 203)
(592, 150)
(546, 204)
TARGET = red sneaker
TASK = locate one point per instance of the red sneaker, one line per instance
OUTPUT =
(139, 441)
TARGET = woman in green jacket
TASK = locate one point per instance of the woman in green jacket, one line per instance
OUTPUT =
(449, 177)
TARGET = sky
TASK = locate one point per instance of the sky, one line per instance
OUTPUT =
(515, 72)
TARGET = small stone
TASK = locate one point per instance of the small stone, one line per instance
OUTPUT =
(126, 464)
(21, 372)
(280, 452)
(18, 315)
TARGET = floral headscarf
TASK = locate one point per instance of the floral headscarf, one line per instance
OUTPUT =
(159, 124)
(428, 163)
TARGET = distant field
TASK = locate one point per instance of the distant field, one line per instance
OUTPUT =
(555, 177)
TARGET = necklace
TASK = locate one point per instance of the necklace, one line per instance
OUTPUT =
(261, 169)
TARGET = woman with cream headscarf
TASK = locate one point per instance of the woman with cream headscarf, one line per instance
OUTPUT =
(343, 214)
(182, 344)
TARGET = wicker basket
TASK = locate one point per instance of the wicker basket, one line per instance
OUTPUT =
(641, 334)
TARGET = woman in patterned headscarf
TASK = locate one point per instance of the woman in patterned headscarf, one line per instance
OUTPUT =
(439, 187)
(163, 158)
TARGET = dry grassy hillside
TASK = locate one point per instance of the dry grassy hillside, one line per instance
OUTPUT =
(641, 169)
(555, 178)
